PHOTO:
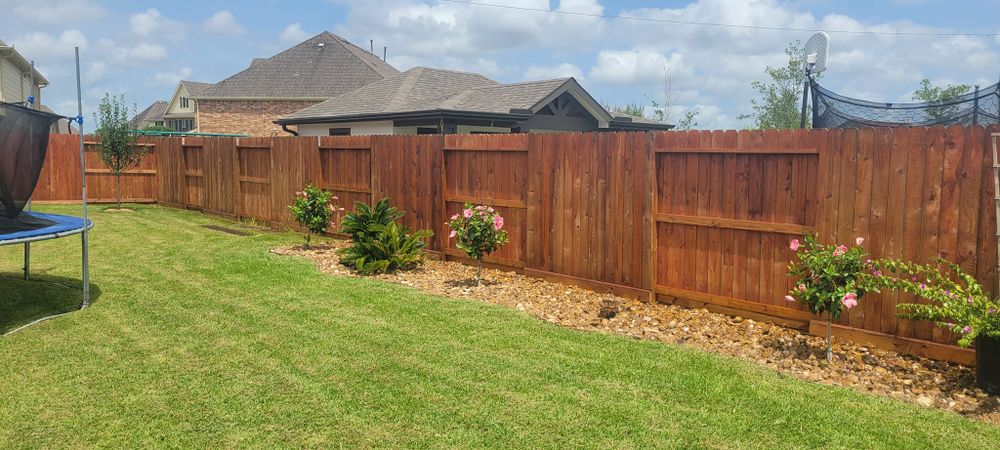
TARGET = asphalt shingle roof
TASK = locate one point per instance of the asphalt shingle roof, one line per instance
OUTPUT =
(425, 89)
(323, 66)
(195, 87)
(152, 112)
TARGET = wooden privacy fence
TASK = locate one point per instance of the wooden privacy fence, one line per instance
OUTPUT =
(701, 218)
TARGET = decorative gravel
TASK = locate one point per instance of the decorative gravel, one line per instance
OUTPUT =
(909, 378)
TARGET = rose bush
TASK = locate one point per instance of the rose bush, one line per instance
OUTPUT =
(831, 278)
(478, 231)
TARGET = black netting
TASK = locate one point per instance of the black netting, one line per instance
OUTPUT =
(832, 110)
(24, 137)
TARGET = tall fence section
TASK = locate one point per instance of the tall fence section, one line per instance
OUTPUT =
(700, 218)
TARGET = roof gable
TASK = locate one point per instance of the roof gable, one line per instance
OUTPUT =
(322, 67)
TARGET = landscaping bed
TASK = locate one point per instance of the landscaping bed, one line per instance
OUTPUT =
(914, 379)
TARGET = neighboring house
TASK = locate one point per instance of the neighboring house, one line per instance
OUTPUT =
(62, 126)
(151, 116)
(322, 67)
(15, 77)
(424, 100)
(180, 112)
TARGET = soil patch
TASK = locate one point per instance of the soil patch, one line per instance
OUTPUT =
(909, 378)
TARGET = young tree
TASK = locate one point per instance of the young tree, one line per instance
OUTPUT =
(689, 122)
(939, 95)
(781, 99)
(118, 145)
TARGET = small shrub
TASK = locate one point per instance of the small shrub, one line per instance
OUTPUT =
(379, 244)
(478, 231)
(312, 209)
(830, 279)
(957, 300)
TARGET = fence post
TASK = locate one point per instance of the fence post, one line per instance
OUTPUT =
(649, 216)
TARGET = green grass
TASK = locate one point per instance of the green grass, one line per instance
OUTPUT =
(201, 339)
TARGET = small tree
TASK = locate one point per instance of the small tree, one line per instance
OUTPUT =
(939, 95)
(312, 209)
(478, 231)
(118, 144)
(781, 99)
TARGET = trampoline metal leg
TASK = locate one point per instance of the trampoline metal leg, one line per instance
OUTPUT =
(27, 260)
(86, 271)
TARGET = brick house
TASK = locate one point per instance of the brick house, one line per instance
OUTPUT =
(322, 67)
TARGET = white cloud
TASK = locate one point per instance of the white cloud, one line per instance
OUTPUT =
(95, 72)
(547, 72)
(39, 46)
(642, 67)
(170, 79)
(293, 34)
(54, 11)
(124, 55)
(223, 22)
(152, 23)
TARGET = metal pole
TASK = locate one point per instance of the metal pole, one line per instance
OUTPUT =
(975, 107)
(805, 93)
(83, 184)
(31, 105)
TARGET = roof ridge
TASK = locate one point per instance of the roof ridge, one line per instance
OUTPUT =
(410, 79)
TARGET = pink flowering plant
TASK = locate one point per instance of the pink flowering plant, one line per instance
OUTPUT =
(830, 278)
(478, 231)
(313, 208)
(956, 300)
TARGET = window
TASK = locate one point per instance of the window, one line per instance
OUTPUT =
(158, 123)
(184, 102)
(340, 131)
(427, 130)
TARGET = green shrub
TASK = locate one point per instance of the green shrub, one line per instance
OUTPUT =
(312, 209)
(380, 244)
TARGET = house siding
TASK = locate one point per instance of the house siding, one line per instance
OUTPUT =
(372, 128)
(252, 117)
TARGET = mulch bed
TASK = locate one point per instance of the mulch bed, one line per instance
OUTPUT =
(909, 378)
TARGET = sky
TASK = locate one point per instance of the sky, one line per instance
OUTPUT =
(141, 49)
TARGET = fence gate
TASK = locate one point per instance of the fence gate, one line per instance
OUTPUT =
(346, 170)
(253, 179)
(725, 207)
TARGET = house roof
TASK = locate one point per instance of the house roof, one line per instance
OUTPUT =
(195, 87)
(64, 126)
(11, 52)
(152, 112)
(429, 89)
(322, 67)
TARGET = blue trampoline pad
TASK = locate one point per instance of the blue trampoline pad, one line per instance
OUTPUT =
(63, 226)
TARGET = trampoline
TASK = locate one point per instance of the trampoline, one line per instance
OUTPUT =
(24, 138)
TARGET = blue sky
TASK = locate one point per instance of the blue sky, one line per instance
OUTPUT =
(141, 49)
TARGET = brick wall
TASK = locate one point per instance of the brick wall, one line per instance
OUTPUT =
(253, 117)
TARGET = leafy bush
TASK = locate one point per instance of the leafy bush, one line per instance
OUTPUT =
(312, 209)
(830, 278)
(957, 300)
(380, 244)
(478, 231)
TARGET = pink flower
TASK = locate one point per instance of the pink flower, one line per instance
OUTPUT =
(452, 234)
(498, 223)
(467, 213)
(850, 300)
(789, 298)
(802, 287)
(480, 208)
(966, 330)
(877, 273)
(923, 286)
(841, 249)
(300, 193)
(859, 240)
(454, 217)
(794, 245)
(490, 209)
(991, 311)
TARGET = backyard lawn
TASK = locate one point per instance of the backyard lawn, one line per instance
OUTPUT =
(203, 339)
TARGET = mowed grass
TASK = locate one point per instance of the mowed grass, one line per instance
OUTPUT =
(201, 339)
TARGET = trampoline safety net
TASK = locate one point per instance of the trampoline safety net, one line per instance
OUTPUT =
(24, 138)
(832, 110)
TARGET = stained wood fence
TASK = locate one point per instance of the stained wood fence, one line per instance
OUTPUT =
(701, 218)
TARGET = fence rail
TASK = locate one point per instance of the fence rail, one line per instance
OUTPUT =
(700, 218)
